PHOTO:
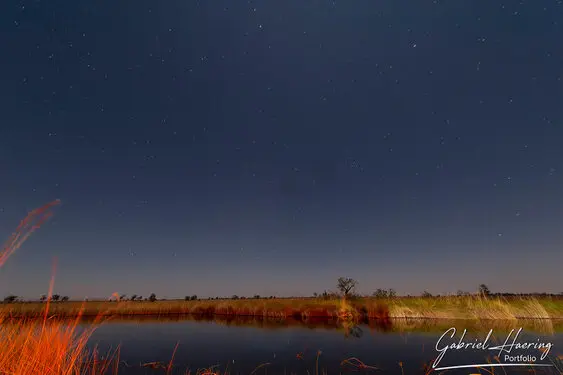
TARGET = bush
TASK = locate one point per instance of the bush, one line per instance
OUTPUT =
(10, 299)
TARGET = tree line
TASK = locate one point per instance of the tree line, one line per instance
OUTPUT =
(346, 288)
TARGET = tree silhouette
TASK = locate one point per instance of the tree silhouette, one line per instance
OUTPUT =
(55, 297)
(11, 298)
(346, 285)
(65, 298)
(43, 298)
(484, 290)
(152, 297)
(133, 297)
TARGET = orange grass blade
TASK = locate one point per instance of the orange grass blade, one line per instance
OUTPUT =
(27, 226)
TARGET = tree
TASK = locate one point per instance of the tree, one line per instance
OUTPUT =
(194, 297)
(55, 297)
(11, 298)
(122, 297)
(346, 285)
(426, 294)
(43, 298)
(65, 298)
(133, 297)
(484, 290)
(152, 297)
(257, 296)
(234, 296)
(380, 293)
(392, 293)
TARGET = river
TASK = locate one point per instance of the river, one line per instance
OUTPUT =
(326, 347)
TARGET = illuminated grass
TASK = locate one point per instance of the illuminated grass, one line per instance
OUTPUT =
(302, 309)
(42, 345)
(451, 307)
(477, 307)
(44, 342)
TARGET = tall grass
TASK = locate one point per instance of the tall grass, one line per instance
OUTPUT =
(51, 347)
(306, 309)
(43, 342)
(476, 307)
(43, 345)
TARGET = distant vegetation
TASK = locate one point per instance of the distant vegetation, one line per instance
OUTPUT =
(346, 288)
(33, 346)
(346, 301)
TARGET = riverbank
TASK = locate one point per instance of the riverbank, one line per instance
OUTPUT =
(449, 307)
(392, 325)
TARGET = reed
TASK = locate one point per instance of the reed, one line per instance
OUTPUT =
(450, 307)
(42, 345)
(477, 307)
(38, 338)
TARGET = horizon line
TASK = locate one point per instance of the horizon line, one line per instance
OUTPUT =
(321, 295)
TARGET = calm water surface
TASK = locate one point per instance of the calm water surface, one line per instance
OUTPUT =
(241, 346)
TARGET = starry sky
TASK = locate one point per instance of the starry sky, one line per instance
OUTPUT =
(269, 147)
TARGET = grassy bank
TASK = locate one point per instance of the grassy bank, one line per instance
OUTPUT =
(397, 325)
(36, 338)
(477, 307)
(451, 307)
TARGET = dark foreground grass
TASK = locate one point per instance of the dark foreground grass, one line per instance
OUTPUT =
(448, 307)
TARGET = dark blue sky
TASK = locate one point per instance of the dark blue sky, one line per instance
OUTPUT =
(234, 147)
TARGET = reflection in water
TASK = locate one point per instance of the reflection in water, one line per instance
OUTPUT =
(250, 321)
(433, 326)
(351, 329)
(401, 346)
(295, 346)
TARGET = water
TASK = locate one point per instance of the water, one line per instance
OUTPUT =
(242, 345)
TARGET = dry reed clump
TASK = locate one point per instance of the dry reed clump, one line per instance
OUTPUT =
(472, 307)
(41, 345)
(33, 346)
(481, 307)
(531, 307)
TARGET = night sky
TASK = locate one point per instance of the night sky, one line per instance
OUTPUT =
(269, 147)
